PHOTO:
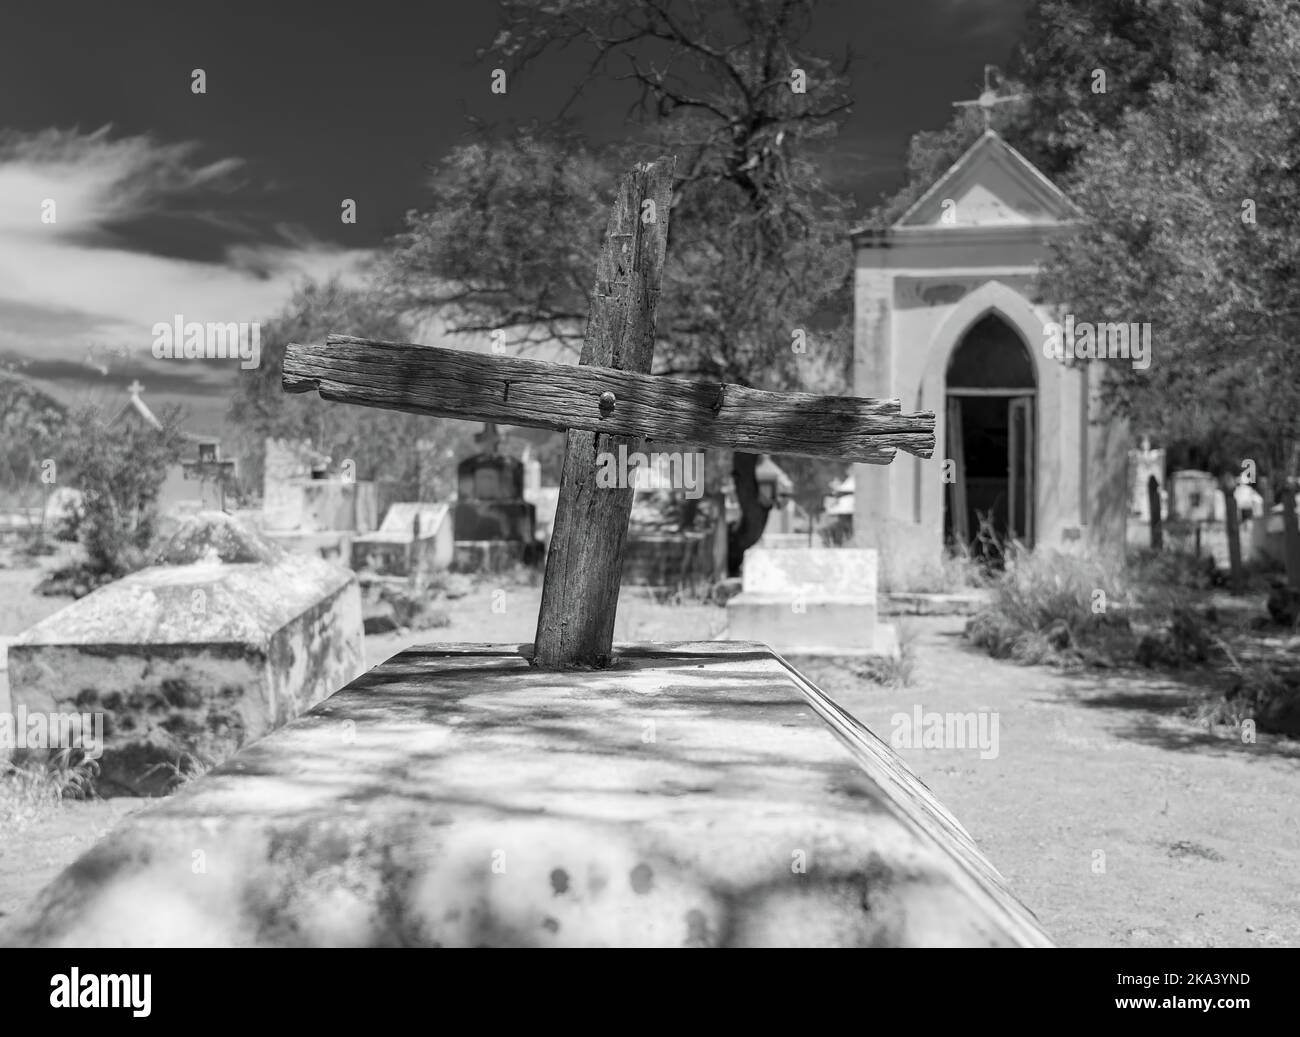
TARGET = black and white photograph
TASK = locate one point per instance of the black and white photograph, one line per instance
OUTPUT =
(592, 474)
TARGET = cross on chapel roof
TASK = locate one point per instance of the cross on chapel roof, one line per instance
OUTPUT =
(137, 407)
(988, 98)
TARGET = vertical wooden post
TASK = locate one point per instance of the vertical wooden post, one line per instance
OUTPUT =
(1265, 490)
(719, 571)
(1291, 534)
(1153, 509)
(1233, 527)
(575, 626)
(45, 508)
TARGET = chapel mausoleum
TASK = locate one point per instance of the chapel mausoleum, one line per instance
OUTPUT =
(944, 322)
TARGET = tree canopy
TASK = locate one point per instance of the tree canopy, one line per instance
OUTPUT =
(1192, 225)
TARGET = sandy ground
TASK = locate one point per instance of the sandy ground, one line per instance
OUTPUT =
(1115, 819)
(1118, 822)
(31, 856)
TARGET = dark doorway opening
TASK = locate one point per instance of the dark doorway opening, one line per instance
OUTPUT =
(991, 440)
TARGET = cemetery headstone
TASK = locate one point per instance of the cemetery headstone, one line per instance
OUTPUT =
(812, 601)
(306, 510)
(490, 501)
(1196, 496)
(415, 539)
(286, 464)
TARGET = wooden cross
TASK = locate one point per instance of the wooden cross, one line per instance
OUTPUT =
(607, 400)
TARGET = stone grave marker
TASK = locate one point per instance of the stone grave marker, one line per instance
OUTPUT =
(415, 538)
(562, 792)
(494, 525)
(287, 463)
(812, 601)
(307, 513)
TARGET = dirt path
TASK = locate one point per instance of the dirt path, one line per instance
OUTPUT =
(1200, 833)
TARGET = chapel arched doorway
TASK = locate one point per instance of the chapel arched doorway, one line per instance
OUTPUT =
(991, 437)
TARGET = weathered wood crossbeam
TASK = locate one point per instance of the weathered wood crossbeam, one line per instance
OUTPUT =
(518, 391)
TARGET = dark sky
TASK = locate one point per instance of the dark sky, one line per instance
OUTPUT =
(322, 101)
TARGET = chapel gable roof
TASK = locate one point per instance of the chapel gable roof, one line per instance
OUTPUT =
(991, 185)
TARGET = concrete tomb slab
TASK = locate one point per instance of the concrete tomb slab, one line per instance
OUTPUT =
(811, 601)
(194, 658)
(415, 538)
(698, 794)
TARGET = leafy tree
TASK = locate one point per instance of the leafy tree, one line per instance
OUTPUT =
(1083, 65)
(1196, 232)
(1141, 47)
(119, 470)
(508, 239)
(757, 248)
(31, 424)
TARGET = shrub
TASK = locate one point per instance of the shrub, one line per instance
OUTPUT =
(898, 671)
(1163, 578)
(119, 469)
(1261, 693)
(1038, 589)
(1047, 606)
(30, 789)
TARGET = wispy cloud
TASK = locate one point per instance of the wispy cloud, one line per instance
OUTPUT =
(86, 278)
